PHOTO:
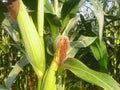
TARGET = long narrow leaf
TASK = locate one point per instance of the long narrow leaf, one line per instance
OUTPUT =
(100, 53)
(99, 13)
(69, 7)
(83, 41)
(70, 25)
(82, 71)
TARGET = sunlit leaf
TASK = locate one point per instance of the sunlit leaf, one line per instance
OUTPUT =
(99, 13)
(83, 41)
(70, 25)
(82, 71)
(48, 7)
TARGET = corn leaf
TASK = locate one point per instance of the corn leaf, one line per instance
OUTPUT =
(83, 41)
(100, 53)
(70, 7)
(99, 13)
(70, 25)
(48, 7)
(54, 24)
(53, 19)
(82, 71)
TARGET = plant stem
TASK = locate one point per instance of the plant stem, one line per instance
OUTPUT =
(40, 17)
(39, 84)
(56, 7)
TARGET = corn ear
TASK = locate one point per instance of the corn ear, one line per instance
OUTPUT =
(49, 81)
(34, 45)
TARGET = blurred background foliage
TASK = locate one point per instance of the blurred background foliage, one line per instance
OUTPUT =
(87, 25)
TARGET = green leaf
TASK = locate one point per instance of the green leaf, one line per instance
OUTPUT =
(53, 25)
(83, 41)
(16, 70)
(95, 50)
(100, 53)
(70, 7)
(99, 13)
(82, 71)
(70, 25)
(65, 22)
(48, 7)
(53, 19)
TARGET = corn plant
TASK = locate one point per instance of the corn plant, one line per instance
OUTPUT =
(55, 20)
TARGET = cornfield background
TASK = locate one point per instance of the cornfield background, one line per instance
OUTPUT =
(87, 25)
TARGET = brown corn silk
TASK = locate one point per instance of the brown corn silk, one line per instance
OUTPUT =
(62, 47)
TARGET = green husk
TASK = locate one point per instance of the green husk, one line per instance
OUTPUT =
(33, 44)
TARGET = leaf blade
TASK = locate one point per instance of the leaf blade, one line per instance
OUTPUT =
(82, 71)
(99, 13)
(83, 41)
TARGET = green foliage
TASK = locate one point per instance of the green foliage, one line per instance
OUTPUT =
(101, 79)
(69, 7)
(94, 42)
(83, 41)
(2, 88)
(99, 13)
(68, 10)
(100, 53)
